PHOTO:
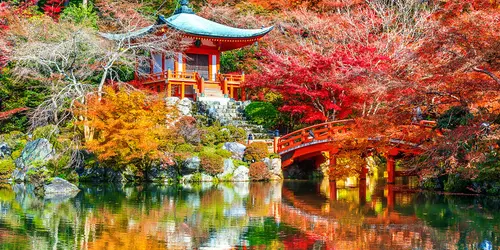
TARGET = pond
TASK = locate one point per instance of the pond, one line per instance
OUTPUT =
(289, 215)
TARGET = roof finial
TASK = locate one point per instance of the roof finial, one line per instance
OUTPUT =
(184, 8)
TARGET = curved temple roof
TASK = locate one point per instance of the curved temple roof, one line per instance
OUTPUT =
(184, 20)
(199, 26)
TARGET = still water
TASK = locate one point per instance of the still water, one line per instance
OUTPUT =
(289, 215)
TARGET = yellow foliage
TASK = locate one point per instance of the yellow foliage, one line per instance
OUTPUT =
(128, 126)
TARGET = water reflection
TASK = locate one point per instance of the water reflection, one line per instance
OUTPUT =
(292, 215)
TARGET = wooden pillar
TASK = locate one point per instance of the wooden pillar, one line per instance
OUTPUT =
(391, 169)
(231, 92)
(243, 94)
(362, 192)
(275, 144)
(362, 174)
(169, 89)
(202, 87)
(333, 190)
(224, 87)
(391, 197)
(183, 93)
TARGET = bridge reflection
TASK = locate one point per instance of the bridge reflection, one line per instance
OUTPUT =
(352, 218)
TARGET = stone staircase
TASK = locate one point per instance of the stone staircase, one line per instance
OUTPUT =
(230, 112)
(213, 90)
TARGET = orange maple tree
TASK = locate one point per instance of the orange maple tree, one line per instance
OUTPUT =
(128, 127)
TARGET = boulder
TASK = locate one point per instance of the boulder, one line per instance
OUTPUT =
(194, 178)
(5, 150)
(172, 101)
(99, 175)
(185, 106)
(241, 174)
(59, 187)
(34, 156)
(191, 165)
(162, 174)
(206, 178)
(228, 169)
(274, 166)
(237, 149)
(38, 151)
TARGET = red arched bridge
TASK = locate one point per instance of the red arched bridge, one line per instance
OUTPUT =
(310, 143)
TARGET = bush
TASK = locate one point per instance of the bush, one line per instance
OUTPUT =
(259, 171)
(454, 117)
(6, 167)
(217, 134)
(223, 153)
(262, 113)
(456, 184)
(238, 163)
(256, 152)
(212, 163)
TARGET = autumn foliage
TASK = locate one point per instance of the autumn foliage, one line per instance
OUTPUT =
(259, 171)
(256, 152)
(128, 126)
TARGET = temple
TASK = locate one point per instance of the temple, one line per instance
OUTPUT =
(196, 72)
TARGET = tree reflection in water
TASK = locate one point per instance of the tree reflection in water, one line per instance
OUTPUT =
(293, 215)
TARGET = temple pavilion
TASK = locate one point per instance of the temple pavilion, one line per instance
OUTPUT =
(196, 72)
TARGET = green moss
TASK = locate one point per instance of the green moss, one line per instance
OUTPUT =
(238, 163)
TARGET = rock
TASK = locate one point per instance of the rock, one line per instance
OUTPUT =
(172, 101)
(191, 165)
(59, 187)
(274, 166)
(237, 149)
(99, 175)
(241, 174)
(197, 178)
(5, 150)
(162, 174)
(206, 178)
(38, 151)
(228, 169)
(185, 106)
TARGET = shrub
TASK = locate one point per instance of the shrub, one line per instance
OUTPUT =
(454, 117)
(211, 163)
(6, 168)
(217, 134)
(262, 113)
(238, 163)
(256, 152)
(456, 184)
(223, 153)
(259, 171)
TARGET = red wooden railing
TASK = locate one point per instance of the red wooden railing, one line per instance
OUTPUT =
(335, 130)
(320, 133)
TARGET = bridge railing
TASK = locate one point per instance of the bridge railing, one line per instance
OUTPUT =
(314, 134)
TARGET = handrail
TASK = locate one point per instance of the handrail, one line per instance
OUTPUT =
(168, 75)
(326, 132)
(232, 79)
(318, 133)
